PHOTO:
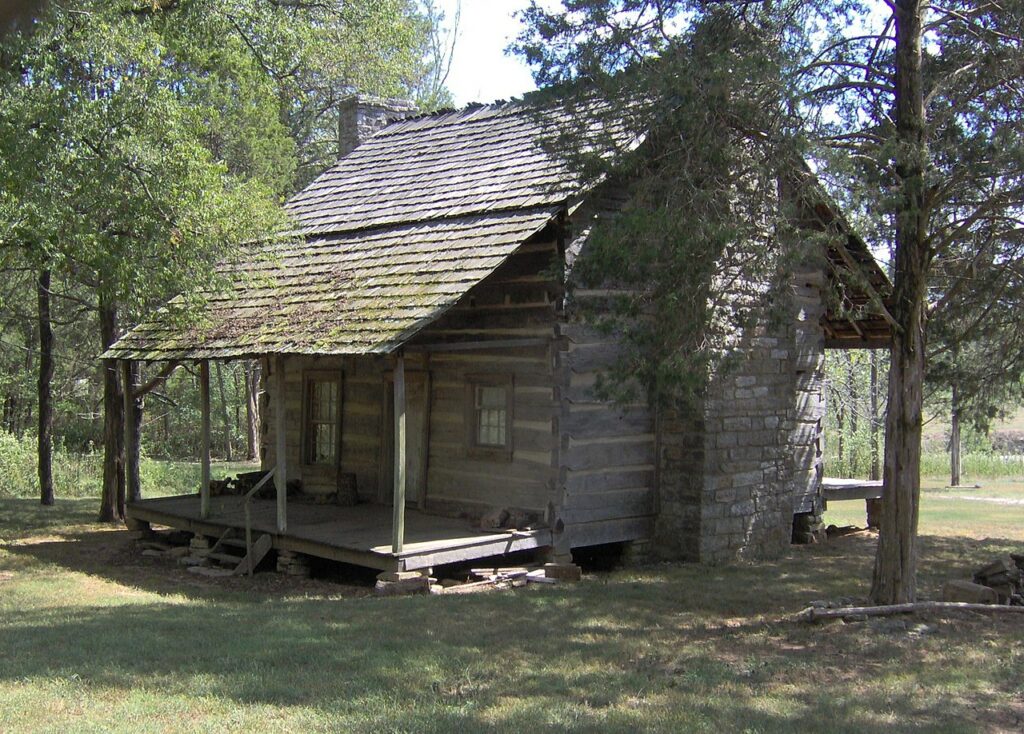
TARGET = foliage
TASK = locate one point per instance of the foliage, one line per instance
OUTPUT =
(701, 236)
(854, 424)
(79, 474)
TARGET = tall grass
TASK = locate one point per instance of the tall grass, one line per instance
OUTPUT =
(80, 475)
(74, 474)
(975, 465)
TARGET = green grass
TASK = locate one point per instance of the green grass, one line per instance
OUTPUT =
(995, 508)
(96, 637)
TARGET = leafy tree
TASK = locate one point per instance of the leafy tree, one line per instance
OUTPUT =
(141, 141)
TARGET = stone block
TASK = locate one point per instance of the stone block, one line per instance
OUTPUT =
(740, 423)
(725, 496)
(563, 571)
(746, 478)
(417, 585)
(730, 526)
(738, 509)
(392, 576)
(710, 512)
(969, 592)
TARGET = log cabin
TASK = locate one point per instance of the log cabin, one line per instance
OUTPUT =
(428, 389)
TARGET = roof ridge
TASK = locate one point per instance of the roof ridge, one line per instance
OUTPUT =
(457, 115)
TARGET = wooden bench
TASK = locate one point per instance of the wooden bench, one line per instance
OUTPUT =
(851, 489)
(869, 490)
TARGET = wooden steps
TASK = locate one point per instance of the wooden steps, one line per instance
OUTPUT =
(230, 551)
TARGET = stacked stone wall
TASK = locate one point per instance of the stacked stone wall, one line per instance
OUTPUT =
(734, 470)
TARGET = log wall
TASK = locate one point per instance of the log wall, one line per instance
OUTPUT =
(606, 489)
(362, 406)
(519, 301)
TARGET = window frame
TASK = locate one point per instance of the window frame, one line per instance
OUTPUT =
(474, 448)
(309, 378)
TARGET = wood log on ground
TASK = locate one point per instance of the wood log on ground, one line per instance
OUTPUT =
(478, 586)
(814, 614)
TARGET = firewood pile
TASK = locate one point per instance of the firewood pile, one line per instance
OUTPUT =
(237, 485)
(999, 582)
(245, 481)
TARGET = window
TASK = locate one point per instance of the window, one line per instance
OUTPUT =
(491, 407)
(323, 410)
(489, 417)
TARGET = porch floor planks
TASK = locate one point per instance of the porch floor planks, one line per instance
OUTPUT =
(359, 534)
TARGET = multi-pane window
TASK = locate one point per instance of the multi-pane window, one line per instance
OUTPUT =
(491, 409)
(322, 410)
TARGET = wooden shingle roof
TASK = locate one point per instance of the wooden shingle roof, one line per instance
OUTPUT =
(453, 164)
(390, 237)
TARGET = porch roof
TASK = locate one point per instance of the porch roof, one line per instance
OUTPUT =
(363, 292)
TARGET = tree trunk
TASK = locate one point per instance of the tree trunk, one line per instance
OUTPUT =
(224, 414)
(45, 390)
(895, 574)
(853, 397)
(113, 495)
(841, 429)
(876, 472)
(954, 440)
(252, 408)
(133, 423)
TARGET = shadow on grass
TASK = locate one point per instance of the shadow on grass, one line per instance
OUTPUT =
(668, 647)
(24, 517)
(525, 660)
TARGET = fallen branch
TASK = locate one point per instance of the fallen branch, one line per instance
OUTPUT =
(813, 614)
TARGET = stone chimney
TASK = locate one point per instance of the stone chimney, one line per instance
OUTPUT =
(360, 116)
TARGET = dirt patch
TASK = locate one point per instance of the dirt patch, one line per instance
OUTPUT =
(114, 555)
(993, 500)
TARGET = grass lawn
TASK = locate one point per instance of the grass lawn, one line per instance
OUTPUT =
(96, 637)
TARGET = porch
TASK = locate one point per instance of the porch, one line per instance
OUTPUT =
(361, 534)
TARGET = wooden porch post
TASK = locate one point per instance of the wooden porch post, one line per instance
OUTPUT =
(204, 452)
(281, 450)
(131, 438)
(398, 518)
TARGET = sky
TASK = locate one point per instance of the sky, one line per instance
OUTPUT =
(481, 71)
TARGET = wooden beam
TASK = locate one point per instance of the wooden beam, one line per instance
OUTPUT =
(161, 377)
(204, 451)
(281, 450)
(398, 517)
(467, 346)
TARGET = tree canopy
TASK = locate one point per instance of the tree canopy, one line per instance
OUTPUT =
(141, 142)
